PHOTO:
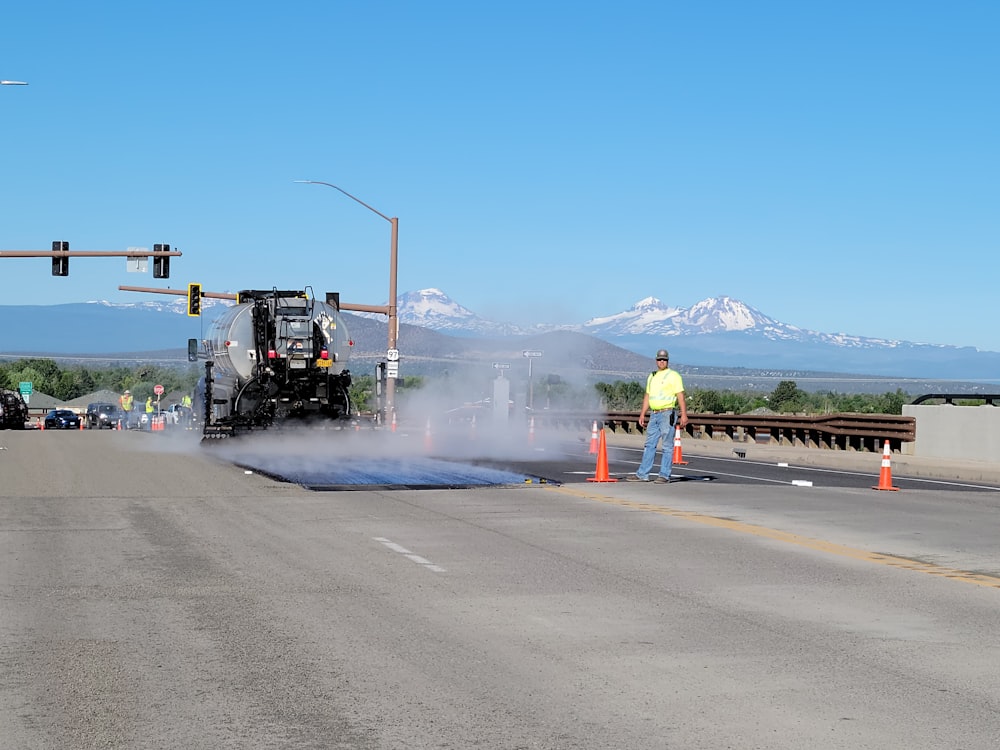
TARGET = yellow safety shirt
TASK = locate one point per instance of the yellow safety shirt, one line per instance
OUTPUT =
(663, 387)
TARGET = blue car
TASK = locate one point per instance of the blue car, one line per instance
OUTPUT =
(62, 419)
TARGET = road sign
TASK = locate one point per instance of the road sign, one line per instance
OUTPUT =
(392, 369)
(26, 388)
(501, 365)
(136, 264)
(531, 353)
(392, 355)
(158, 390)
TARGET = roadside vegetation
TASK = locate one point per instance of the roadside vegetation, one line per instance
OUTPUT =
(786, 398)
(70, 382)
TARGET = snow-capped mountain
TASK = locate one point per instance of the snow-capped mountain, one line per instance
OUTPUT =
(650, 317)
(433, 309)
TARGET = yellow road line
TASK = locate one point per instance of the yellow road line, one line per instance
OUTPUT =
(955, 574)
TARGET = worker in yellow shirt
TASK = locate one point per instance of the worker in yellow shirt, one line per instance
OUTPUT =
(664, 400)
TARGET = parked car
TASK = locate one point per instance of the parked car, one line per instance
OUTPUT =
(13, 410)
(61, 419)
(104, 415)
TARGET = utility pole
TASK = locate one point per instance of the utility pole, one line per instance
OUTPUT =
(392, 351)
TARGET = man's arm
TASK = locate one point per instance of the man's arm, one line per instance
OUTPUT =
(684, 409)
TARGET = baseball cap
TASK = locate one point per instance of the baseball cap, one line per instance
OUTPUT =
(662, 354)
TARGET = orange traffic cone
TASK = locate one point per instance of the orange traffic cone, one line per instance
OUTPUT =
(601, 472)
(472, 428)
(81, 424)
(41, 423)
(428, 444)
(119, 424)
(531, 431)
(393, 426)
(885, 475)
(593, 439)
(678, 458)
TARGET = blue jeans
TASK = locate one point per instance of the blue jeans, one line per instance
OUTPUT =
(657, 427)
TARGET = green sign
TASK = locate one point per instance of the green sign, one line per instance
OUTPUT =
(25, 388)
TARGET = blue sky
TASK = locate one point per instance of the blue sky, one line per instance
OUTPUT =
(834, 165)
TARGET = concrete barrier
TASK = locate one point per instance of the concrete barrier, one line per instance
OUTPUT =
(955, 432)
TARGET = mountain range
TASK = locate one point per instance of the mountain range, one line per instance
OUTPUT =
(724, 332)
(719, 332)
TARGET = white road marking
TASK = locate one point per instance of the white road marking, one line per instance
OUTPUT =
(410, 555)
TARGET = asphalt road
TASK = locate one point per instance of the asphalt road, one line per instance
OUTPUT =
(155, 595)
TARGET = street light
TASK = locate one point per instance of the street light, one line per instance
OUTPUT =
(392, 355)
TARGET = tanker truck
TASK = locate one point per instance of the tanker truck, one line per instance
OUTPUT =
(275, 358)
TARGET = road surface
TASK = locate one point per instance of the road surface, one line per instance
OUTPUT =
(155, 595)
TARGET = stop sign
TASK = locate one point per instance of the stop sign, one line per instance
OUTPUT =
(158, 390)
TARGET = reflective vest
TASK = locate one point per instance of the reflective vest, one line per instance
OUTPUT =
(663, 387)
(149, 405)
(126, 402)
(186, 401)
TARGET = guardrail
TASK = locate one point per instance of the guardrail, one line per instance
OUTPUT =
(991, 399)
(842, 431)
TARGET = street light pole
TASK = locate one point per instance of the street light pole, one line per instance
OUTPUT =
(390, 309)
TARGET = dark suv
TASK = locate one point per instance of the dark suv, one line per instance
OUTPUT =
(13, 410)
(104, 415)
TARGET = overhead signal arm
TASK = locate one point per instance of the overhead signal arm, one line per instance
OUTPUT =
(228, 296)
(60, 255)
(177, 292)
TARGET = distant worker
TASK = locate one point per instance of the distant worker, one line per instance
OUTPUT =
(125, 401)
(664, 394)
(149, 413)
(186, 403)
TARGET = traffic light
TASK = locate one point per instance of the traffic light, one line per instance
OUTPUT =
(161, 264)
(194, 300)
(60, 264)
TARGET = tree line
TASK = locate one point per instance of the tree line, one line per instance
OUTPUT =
(786, 398)
(66, 383)
(70, 382)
